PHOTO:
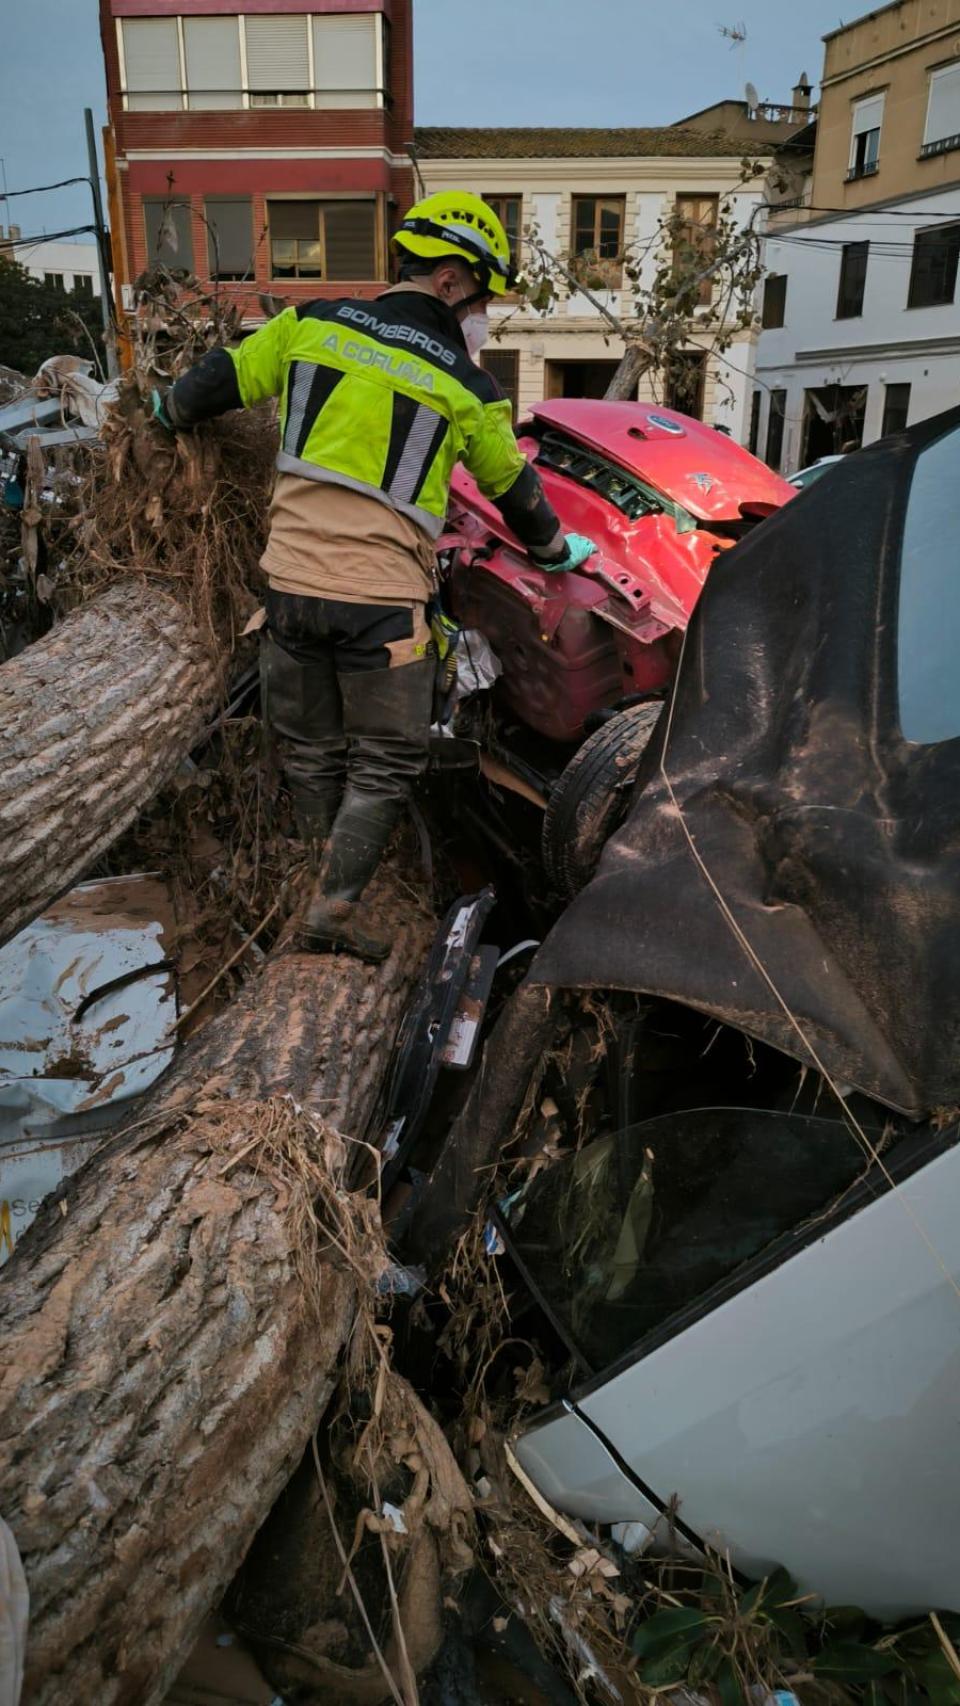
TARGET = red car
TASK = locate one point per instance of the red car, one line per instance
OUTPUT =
(586, 656)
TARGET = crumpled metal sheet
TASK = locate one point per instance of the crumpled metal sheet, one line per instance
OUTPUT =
(830, 838)
(65, 1081)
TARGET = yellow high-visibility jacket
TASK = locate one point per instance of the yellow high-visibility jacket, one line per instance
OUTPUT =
(379, 396)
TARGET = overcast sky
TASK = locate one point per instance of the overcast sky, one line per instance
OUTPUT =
(596, 62)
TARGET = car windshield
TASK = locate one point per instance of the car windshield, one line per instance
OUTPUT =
(640, 1224)
(807, 476)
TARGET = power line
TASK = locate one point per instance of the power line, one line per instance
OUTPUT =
(877, 246)
(39, 189)
(45, 237)
(885, 212)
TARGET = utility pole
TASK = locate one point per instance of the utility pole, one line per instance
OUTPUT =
(106, 300)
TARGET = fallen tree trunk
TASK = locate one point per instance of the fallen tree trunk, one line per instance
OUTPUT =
(164, 1367)
(94, 719)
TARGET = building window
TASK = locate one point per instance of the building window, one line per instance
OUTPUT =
(853, 278)
(83, 284)
(833, 420)
(774, 301)
(211, 50)
(54, 280)
(597, 223)
(865, 138)
(169, 234)
(933, 276)
(323, 239)
(695, 239)
(229, 236)
(348, 57)
(896, 407)
(754, 440)
(151, 64)
(504, 364)
(508, 210)
(778, 411)
(686, 381)
(942, 130)
(278, 72)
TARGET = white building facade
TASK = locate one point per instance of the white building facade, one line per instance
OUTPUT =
(569, 184)
(870, 333)
(64, 266)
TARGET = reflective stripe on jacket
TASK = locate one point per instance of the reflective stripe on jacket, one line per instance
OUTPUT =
(381, 397)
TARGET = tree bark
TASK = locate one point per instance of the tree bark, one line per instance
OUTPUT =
(634, 362)
(94, 719)
(163, 1368)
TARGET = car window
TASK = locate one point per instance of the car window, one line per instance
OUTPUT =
(640, 1224)
(816, 471)
(929, 680)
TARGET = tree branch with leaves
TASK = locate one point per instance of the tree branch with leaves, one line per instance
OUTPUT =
(690, 286)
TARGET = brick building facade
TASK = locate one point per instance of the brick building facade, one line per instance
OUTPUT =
(261, 144)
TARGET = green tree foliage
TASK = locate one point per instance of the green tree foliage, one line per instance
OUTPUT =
(37, 320)
(733, 1644)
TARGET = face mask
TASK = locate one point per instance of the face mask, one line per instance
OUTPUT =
(476, 329)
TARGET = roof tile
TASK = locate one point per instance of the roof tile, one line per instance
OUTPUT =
(438, 142)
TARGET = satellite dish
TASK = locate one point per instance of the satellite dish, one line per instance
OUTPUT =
(753, 99)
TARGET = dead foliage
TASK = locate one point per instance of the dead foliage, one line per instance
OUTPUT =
(187, 510)
(342, 1595)
(305, 1161)
(224, 840)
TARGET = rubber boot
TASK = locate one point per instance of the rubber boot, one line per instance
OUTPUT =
(386, 720)
(315, 811)
(334, 917)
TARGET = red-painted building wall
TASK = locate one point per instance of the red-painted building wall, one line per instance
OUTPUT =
(335, 173)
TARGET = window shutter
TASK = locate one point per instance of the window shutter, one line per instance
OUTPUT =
(151, 55)
(350, 239)
(212, 51)
(231, 220)
(289, 219)
(345, 59)
(868, 115)
(943, 111)
(276, 52)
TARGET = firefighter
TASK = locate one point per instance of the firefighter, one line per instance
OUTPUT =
(379, 400)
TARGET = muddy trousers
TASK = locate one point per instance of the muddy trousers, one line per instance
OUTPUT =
(350, 720)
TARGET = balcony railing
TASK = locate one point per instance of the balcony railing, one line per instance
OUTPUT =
(942, 145)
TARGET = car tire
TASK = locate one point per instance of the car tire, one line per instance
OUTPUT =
(589, 799)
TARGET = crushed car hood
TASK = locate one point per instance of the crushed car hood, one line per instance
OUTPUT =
(689, 462)
(701, 491)
(781, 818)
